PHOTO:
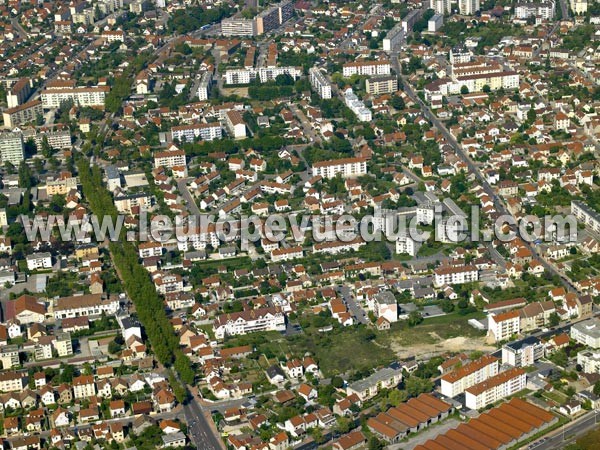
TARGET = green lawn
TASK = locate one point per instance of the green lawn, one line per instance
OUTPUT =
(556, 396)
(344, 349)
(446, 327)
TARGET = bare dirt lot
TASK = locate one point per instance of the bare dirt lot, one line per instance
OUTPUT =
(430, 349)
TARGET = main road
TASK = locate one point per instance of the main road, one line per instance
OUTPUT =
(499, 205)
(201, 433)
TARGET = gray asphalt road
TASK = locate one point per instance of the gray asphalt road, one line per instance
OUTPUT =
(185, 193)
(568, 435)
(353, 306)
(199, 430)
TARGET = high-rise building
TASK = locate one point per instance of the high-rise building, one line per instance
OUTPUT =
(441, 6)
(319, 83)
(468, 7)
(394, 38)
(11, 148)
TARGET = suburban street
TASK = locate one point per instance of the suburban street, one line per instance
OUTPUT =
(499, 205)
(202, 434)
(353, 306)
(185, 193)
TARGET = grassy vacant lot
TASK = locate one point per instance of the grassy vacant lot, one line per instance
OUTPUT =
(556, 396)
(344, 349)
(357, 348)
(435, 329)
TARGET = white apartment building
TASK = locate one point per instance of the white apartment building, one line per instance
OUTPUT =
(169, 159)
(150, 249)
(386, 378)
(88, 305)
(12, 381)
(239, 76)
(394, 38)
(235, 124)
(168, 282)
(286, 254)
(589, 360)
(38, 261)
(357, 106)
(83, 386)
(127, 203)
(238, 27)
(204, 86)
(270, 73)
(346, 167)
(502, 326)
(261, 319)
(435, 23)
(319, 82)
(18, 92)
(475, 372)
(442, 7)
(426, 212)
(523, 353)
(586, 215)
(587, 332)
(468, 7)
(63, 344)
(545, 10)
(204, 131)
(406, 244)
(455, 275)
(495, 388)
(368, 68)
(11, 148)
(81, 96)
(264, 74)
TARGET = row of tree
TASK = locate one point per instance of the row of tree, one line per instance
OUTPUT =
(148, 304)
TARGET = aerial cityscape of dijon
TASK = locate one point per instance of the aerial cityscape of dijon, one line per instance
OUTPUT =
(300, 224)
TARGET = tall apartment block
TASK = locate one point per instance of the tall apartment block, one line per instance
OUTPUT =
(11, 148)
(319, 83)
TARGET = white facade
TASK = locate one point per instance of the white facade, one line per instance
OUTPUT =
(441, 6)
(319, 83)
(82, 96)
(169, 159)
(503, 326)
(457, 381)
(435, 23)
(11, 148)
(587, 332)
(495, 388)
(84, 306)
(348, 167)
(468, 7)
(357, 106)
(367, 68)
(393, 39)
(235, 124)
(523, 353)
(205, 131)
(455, 275)
(263, 319)
(406, 244)
(39, 261)
(204, 86)
(590, 361)
(544, 10)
